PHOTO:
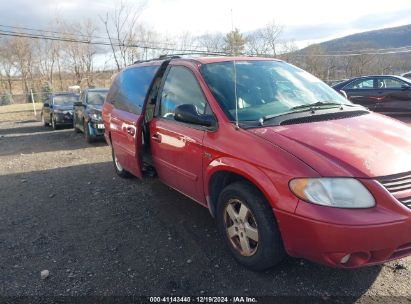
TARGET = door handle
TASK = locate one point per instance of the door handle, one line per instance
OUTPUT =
(131, 131)
(156, 137)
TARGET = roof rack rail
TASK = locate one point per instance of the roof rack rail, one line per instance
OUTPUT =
(161, 57)
(176, 56)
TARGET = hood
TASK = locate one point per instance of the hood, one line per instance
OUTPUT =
(95, 107)
(365, 146)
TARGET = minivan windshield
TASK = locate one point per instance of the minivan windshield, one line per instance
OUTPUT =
(96, 98)
(65, 100)
(266, 88)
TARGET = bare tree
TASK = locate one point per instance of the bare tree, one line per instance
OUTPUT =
(80, 55)
(7, 64)
(265, 40)
(22, 49)
(211, 42)
(314, 60)
(121, 28)
(288, 52)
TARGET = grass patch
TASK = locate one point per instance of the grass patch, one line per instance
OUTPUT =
(19, 112)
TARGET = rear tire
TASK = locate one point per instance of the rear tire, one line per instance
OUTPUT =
(248, 226)
(117, 166)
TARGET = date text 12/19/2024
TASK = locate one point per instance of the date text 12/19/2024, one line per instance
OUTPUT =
(202, 299)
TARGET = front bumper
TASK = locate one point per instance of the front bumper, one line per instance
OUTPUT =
(96, 128)
(63, 118)
(348, 238)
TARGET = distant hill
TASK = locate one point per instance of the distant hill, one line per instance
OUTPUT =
(385, 38)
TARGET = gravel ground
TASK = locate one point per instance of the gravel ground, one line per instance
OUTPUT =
(64, 210)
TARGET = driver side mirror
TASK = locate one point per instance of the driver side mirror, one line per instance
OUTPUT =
(46, 105)
(405, 87)
(343, 93)
(188, 113)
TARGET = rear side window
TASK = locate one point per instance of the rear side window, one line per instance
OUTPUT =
(130, 88)
(362, 84)
(389, 83)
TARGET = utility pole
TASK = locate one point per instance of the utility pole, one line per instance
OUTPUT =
(32, 100)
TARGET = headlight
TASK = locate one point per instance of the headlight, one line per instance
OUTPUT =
(95, 115)
(333, 192)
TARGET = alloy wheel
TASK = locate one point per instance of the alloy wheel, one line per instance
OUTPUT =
(241, 227)
(117, 163)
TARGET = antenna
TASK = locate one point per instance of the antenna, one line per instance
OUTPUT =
(235, 95)
(232, 20)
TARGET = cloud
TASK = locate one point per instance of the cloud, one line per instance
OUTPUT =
(175, 15)
(40, 14)
(326, 30)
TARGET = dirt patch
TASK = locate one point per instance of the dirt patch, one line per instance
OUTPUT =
(65, 211)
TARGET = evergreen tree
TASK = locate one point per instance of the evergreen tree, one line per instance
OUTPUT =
(234, 42)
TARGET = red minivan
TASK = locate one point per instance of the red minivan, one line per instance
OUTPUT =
(283, 162)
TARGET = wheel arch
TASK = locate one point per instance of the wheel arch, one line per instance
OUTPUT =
(224, 171)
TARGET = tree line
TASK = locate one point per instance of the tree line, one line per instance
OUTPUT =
(66, 54)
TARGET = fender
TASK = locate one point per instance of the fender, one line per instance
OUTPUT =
(247, 170)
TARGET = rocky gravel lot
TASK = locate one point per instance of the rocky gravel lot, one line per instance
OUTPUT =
(63, 209)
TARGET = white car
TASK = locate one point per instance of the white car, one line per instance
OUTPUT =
(407, 75)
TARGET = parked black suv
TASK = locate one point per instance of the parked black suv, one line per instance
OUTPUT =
(87, 113)
(58, 110)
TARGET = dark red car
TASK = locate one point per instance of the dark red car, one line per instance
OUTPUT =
(386, 94)
(284, 163)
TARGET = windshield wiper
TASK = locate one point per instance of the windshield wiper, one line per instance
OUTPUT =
(310, 107)
(316, 105)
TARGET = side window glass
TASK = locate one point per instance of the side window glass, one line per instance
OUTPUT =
(181, 87)
(133, 86)
(389, 83)
(362, 84)
(112, 92)
(82, 99)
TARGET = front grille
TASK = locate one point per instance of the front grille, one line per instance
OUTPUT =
(396, 183)
(406, 202)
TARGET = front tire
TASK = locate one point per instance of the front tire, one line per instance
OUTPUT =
(53, 123)
(46, 124)
(248, 226)
(87, 135)
(118, 167)
(76, 130)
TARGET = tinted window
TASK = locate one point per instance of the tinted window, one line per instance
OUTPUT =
(132, 86)
(181, 87)
(363, 84)
(65, 100)
(96, 97)
(389, 83)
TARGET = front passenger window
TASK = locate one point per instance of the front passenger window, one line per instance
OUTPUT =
(181, 87)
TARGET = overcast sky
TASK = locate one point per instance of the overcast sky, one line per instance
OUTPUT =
(304, 21)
